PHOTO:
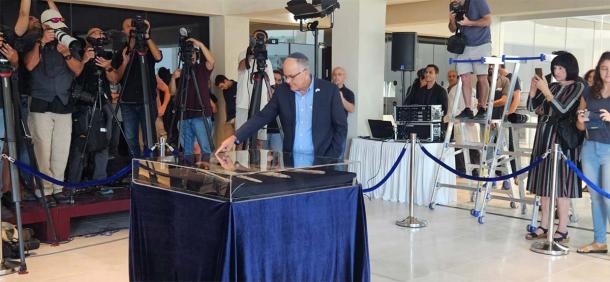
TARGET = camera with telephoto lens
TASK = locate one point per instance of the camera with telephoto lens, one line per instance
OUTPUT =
(64, 38)
(458, 9)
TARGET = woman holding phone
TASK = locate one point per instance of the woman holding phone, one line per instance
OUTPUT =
(553, 103)
(593, 117)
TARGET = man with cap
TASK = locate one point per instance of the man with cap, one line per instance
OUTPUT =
(52, 69)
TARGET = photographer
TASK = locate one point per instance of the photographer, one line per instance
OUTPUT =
(132, 99)
(245, 83)
(192, 127)
(94, 140)
(472, 19)
(50, 119)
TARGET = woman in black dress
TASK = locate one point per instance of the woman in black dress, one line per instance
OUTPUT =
(553, 102)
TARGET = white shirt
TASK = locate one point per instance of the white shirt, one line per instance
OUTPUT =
(245, 84)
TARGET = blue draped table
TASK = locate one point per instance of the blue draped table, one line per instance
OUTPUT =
(315, 236)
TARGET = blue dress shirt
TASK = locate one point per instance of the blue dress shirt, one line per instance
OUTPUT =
(303, 138)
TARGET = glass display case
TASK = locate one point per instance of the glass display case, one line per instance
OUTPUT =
(244, 175)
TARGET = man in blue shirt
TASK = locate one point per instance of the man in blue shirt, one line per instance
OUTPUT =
(311, 114)
(475, 27)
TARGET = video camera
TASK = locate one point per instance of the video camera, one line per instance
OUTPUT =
(258, 48)
(186, 47)
(458, 9)
(139, 25)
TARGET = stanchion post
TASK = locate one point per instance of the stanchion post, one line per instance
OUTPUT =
(411, 221)
(550, 247)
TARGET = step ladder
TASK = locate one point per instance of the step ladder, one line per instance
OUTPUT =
(494, 153)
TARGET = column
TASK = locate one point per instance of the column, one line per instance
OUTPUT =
(228, 37)
(358, 45)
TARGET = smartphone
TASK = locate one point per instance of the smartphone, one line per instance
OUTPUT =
(538, 72)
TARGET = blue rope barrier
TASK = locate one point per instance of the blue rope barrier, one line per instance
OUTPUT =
(387, 176)
(582, 176)
(456, 61)
(483, 179)
(505, 58)
(27, 169)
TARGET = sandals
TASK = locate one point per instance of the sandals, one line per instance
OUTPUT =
(593, 248)
(535, 236)
(562, 239)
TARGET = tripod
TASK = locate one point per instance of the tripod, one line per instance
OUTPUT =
(140, 51)
(9, 118)
(100, 110)
(258, 77)
(188, 75)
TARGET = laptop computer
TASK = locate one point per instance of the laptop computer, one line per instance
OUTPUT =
(381, 129)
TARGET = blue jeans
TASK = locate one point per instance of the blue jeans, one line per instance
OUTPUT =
(191, 129)
(133, 120)
(596, 166)
(274, 142)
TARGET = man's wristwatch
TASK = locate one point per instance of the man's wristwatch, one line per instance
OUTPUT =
(68, 57)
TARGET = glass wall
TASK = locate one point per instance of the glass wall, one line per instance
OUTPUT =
(585, 37)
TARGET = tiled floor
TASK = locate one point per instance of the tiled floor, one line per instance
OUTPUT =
(452, 248)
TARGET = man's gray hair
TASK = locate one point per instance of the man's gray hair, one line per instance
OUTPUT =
(301, 59)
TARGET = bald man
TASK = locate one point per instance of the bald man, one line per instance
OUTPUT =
(347, 96)
(310, 111)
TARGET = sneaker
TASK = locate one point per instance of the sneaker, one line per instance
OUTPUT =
(481, 114)
(465, 114)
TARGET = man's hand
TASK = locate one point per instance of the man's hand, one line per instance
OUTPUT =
(47, 36)
(103, 63)
(147, 27)
(226, 145)
(10, 54)
(466, 21)
(604, 115)
(177, 74)
(88, 55)
(125, 56)
(63, 50)
(195, 42)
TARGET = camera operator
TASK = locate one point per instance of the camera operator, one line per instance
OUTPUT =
(96, 69)
(245, 83)
(50, 119)
(192, 127)
(472, 18)
(132, 99)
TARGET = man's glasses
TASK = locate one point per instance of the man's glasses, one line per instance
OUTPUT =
(55, 20)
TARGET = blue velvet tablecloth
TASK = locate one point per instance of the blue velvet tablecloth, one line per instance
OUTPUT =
(317, 236)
